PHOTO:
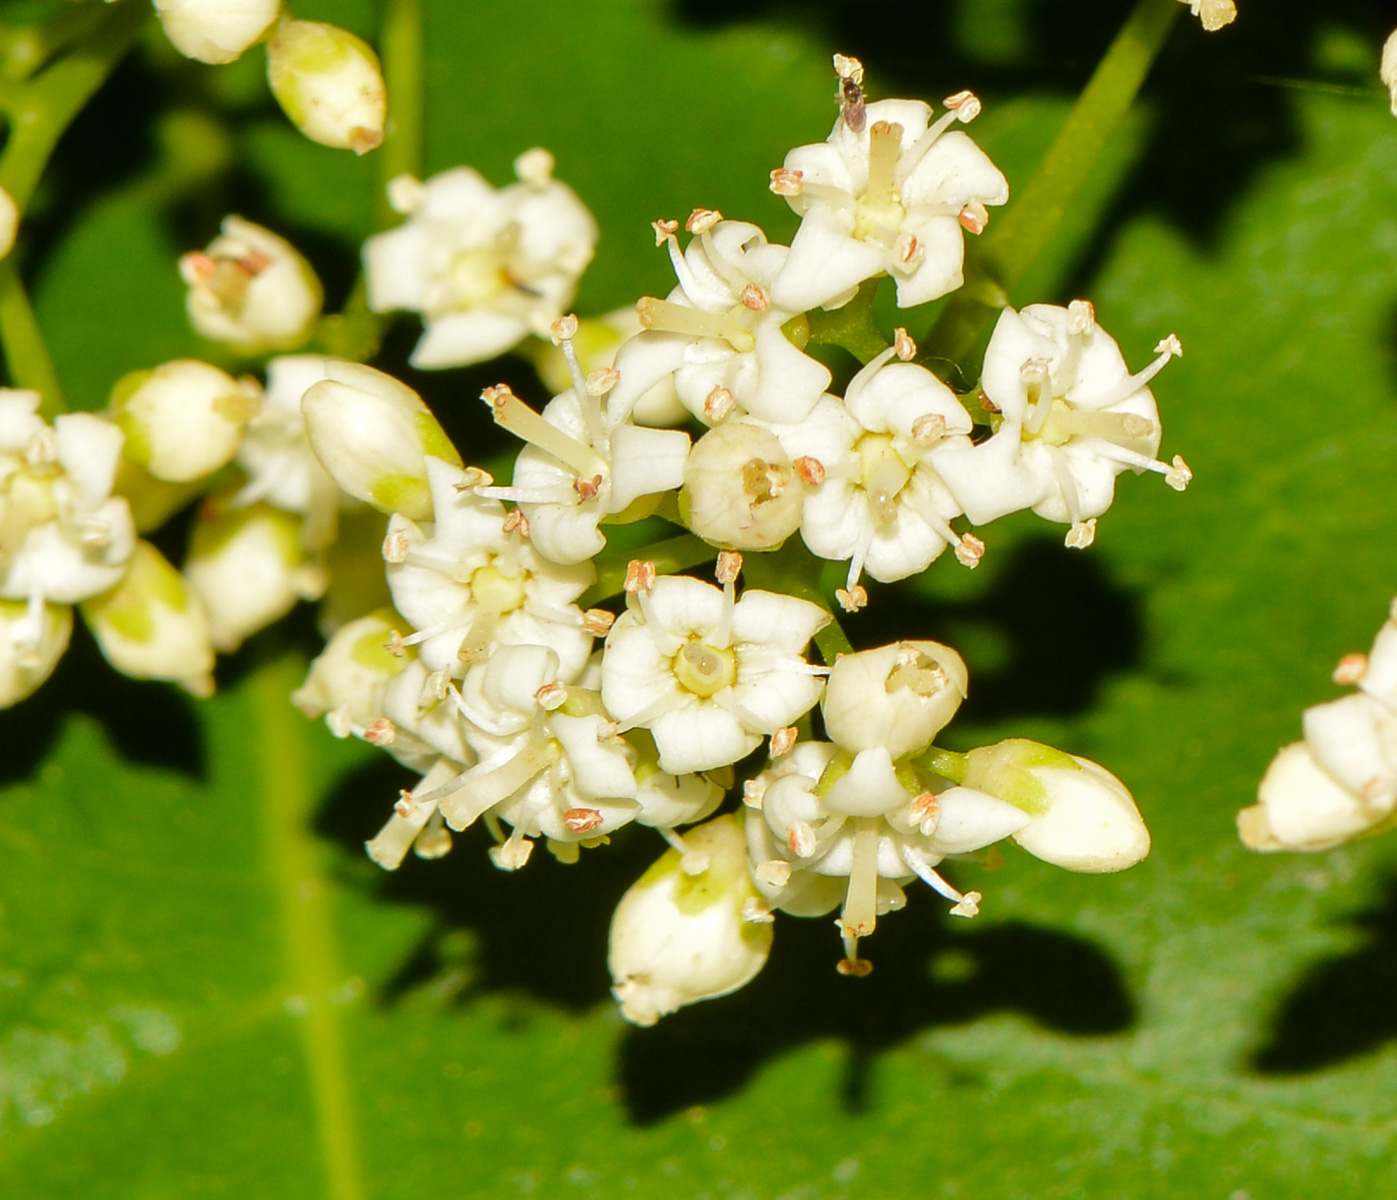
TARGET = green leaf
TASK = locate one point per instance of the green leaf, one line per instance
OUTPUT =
(206, 989)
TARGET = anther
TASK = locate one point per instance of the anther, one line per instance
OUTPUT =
(640, 576)
(396, 546)
(404, 805)
(597, 622)
(701, 220)
(926, 808)
(405, 193)
(852, 599)
(783, 741)
(664, 230)
(1180, 474)
(848, 68)
(903, 345)
(728, 567)
(969, 551)
(472, 478)
(966, 106)
(753, 792)
(1351, 668)
(810, 470)
(583, 820)
(969, 905)
(755, 912)
(1170, 345)
(754, 298)
(787, 182)
(717, 404)
(908, 249)
(339, 722)
(856, 967)
(1034, 370)
(563, 329)
(775, 872)
(1081, 317)
(395, 645)
(800, 837)
(1081, 535)
(516, 522)
(928, 428)
(974, 217)
(587, 489)
(601, 381)
(535, 167)
(381, 732)
(551, 696)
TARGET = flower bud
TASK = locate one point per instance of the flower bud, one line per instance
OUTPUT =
(899, 696)
(373, 434)
(677, 939)
(740, 490)
(1084, 818)
(251, 289)
(353, 670)
(215, 31)
(9, 222)
(28, 654)
(184, 419)
(248, 568)
(151, 626)
(329, 84)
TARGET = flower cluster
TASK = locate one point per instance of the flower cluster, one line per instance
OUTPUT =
(1340, 781)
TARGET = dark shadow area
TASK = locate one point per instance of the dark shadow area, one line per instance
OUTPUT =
(149, 723)
(1225, 101)
(926, 974)
(1063, 626)
(1342, 1007)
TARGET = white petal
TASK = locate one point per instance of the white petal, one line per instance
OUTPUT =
(968, 820)
(701, 737)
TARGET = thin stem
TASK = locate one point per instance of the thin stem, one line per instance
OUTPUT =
(1013, 244)
(26, 356)
(852, 326)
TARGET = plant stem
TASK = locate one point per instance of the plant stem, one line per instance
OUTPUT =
(39, 112)
(851, 326)
(1013, 244)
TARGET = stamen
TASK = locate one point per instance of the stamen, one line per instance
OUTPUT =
(1351, 668)
(640, 576)
(755, 912)
(396, 546)
(754, 298)
(717, 405)
(535, 167)
(521, 420)
(551, 696)
(1062, 472)
(1180, 475)
(966, 106)
(800, 838)
(664, 230)
(810, 470)
(974, 217)
(926, 810)
(967, 904)
(1081, 535)
(597, 622)
(783, 741)
(602, 380)
(753, 792)
(775, 872)
(728, 566)
(669, 317)
(516, 522)
(472, 478)
(405, 193)
(381, 732)
(851, 599)
(1081, 317)
(583, 820)
(701, 220)
(928, 429)
(1169, 348)
(564, 329)
(903, 345)
(787, 182)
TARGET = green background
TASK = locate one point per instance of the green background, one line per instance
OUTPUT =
(206, 989)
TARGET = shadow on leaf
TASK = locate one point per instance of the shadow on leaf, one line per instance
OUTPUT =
(1342, 1008)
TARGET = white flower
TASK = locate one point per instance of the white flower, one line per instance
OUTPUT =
(151, 625)
(485, 268)
(215, 31)
(1074, 418)
(63, 536)
(898, 696)
(183, 420)
(707, 675)
(581, 466)
(276, 456)
(472, 582)
(329, 84)
(1084, 819)
(374, 436)
(719, 333)
(31, 643)
(888, 192)
(417, 827)
(741, 490)
(251, 289)
(1341, 781)
(678, 938)
(853, 828)
(349, 676)
(1213, 13)
(876, 499)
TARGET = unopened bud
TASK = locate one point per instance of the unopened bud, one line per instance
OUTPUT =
(183, 420)
(677, 939)
(30, 648)
(352, 671)
(151, 626)
(898, 697)
(373, 434)
(740, 489)
(215, 31)
(329, 83)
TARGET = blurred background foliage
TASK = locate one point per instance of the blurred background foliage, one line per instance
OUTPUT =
(206, 989)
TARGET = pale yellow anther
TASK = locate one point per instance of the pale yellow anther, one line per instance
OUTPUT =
(754, 298)
(437, 684)
(928, 428)
(516, 522)
(966, 105)
(1351, 668)
(970, 550)
(855, 967)
(852, 599)
(664, 230)
(754, 912)
(969, 905)
(775, 872)
(728, 566)
(753, 791)
(908, 249)
(701, 220)
(1034, 370)
(563, 329)
(717, 404)
(497, 396)
(404, 806)
(597, 622)
(393, 644)
(786, 181)
(1179, 475)
(602, 380)
(926, 809)
(396, 546)
(640, 576)
(810, 470)
(1081, 535)
(783, 741)
(381, 732)
(472, 478)
(551, 696)
(848, 68)
(1170, 345)
(1081, 317)
(535, 167)
(903, 345)
(800, 837)
(405, 193)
